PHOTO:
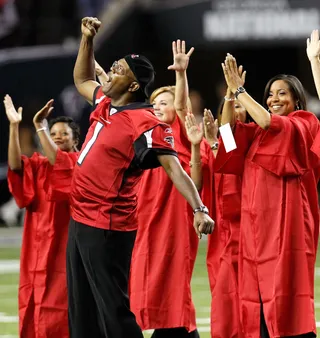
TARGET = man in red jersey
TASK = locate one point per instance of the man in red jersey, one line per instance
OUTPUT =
(123, 139)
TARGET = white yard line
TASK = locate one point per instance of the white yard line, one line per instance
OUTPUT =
(13, 265)
(200, 329)
(9, 266)
(201, 321)
(8, 319)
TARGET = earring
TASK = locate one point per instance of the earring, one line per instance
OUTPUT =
(297, 106)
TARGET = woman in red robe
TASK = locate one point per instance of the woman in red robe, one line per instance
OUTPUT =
(166, 244)
(223, 244)
(43, 309)
(278, 158)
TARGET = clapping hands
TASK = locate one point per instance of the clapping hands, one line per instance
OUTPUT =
(14, 117)
(234, 76)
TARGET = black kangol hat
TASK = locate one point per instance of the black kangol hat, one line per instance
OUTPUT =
(143, 71)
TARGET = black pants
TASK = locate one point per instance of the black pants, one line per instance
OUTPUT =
(265, 334)
(179, 332)
(98, 264)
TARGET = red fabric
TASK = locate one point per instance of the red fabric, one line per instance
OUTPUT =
(58, 183)
(42, 288)
(279, 222)
(2, 3)
(104, 184)
(222, 258)
(165, 249)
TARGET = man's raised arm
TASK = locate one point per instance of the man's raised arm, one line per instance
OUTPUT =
(84, 69)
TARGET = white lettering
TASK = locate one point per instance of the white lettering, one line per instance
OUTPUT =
(268, 24)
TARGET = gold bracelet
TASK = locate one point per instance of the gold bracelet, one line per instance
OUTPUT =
(191, 164)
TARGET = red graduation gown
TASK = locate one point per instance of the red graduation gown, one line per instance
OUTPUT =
(165, 249)
(42, 288)
(222, 257)
(279, 222)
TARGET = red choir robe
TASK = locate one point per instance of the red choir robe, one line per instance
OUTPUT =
(165, 248)
(222, 257)
(279, 222)
(43, 308)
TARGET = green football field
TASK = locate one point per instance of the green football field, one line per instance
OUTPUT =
(200, 287)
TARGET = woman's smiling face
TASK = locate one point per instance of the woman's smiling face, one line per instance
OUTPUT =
(163, 105)
(280, 100)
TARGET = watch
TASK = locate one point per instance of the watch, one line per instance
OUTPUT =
(215, 146)
(240, 90)
(202, 208)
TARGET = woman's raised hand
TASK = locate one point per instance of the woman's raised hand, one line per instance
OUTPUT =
(180, 57)
(313, 45)
(194, 131)
(40, 118)
(233, 75)
(14, 117)
(210, 127)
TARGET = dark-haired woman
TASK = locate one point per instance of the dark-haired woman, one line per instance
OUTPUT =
(278, 157)
(43, 309)
(223, 243)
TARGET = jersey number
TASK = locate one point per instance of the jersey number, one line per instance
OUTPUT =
(90, 143)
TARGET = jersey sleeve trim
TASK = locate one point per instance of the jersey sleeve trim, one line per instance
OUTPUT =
(150, 144)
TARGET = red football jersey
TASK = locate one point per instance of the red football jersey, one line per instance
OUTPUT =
(120, 143)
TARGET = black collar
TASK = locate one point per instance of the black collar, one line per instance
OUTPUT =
(131, 106)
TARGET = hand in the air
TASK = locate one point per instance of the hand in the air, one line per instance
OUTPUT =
(180, 58)
(194, 131)
(90, 26)
(14, 117)
(234, 76)
(40, 118)
(210, 127)
(313, 45)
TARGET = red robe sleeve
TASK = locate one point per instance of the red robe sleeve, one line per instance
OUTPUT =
(22, 183)
(207, 190)
(287, 147)
(58, 179)
(233, 162)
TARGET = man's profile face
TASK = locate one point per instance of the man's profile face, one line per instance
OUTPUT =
(120, 77)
